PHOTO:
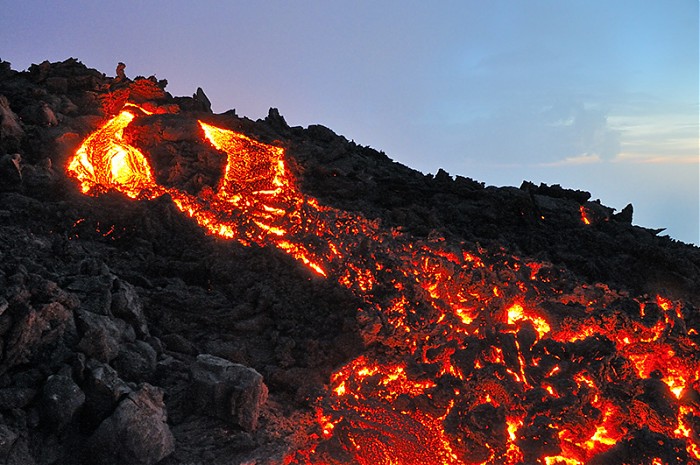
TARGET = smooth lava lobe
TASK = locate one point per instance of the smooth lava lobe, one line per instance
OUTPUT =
(104, 161)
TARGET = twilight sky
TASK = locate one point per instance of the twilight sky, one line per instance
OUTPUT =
(597, 95)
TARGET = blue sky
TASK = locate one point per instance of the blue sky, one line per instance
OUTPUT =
(596, 95)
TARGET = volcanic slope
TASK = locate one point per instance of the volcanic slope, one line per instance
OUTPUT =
(211, 289)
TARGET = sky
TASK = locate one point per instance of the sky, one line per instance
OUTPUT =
(596, 95)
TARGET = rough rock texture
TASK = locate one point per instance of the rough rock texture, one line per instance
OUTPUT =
(61, 398)
(230, 391)
(128, 334)
(137, 432)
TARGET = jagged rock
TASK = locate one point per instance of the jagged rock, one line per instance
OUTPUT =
(137, 433)
(20, 453)
(121, 75)
(556, 191)
(227, 390)
(177, 343)
(625, 215)
(554, 204)
(136, 361)
(40, 178)
(10, 172)
(202, 99)
(40, 114)
(6, 69)
(61, 399)
(275, 120)
(67, 106)
(103, 388)
(101, 335)
(443, 176)
(7, 440)
(38, 333)
(57, 84)
(126, 304)
(95, 292)
(321, 133)
(155, 343)
(16, 397)
(10, 127)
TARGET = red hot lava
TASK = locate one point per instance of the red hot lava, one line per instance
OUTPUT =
(472, 356)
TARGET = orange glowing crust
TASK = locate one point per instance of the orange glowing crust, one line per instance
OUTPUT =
(517, 313)
(461, 294)
(584, 215)
(105, 161)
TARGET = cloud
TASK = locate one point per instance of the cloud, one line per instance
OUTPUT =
(583, 159)
(647, 158)
(541, 131)
(584, 128)
(668, 136)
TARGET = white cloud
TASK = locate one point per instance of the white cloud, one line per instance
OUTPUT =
(665, 159)
(583, 159)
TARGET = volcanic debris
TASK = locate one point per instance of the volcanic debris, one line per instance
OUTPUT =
(132, 336)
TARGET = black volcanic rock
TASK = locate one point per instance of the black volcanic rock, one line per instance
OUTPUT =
(228, 390)
(62, 398)
(108, 306)
(137, 431)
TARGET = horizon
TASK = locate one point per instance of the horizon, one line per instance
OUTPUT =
(593, 96)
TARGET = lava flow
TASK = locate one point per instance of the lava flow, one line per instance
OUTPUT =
(472, 356)
(104, 161)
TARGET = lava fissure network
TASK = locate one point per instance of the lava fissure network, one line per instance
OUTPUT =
(472, 355)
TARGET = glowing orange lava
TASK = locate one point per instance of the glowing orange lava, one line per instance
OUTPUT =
(484, 358)
(584, 215)
(105, 162)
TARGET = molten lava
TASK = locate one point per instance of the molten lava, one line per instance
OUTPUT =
(584, 215)
(104, 161)
(473, 356)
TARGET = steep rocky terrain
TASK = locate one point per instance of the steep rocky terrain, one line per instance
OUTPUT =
(129, 335)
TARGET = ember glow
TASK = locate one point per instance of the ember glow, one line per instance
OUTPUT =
(473, 356)
(584, 215)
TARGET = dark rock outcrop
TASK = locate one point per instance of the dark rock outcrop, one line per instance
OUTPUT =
(136, 432)
(230, 391)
